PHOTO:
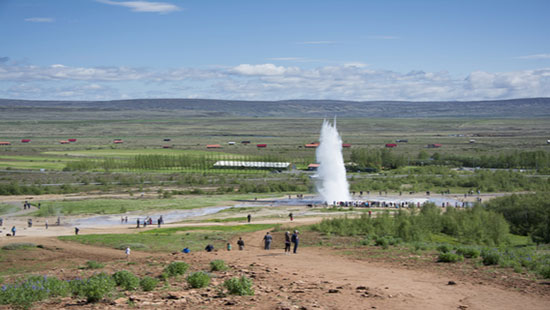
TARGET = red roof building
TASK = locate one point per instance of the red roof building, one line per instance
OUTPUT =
(261, 145)
(72, 140)
(346, 145)
(167, 146)
(435, 145)
(311, 145)
(64, 142)
(25, 140)
(391, 145)
(118, 141)
(213, 146)
(5, 143)
(312, 167)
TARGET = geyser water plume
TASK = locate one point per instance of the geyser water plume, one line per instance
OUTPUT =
(332, 184)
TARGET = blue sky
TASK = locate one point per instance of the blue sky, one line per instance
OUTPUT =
(274, 50)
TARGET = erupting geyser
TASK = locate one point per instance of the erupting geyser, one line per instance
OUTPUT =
(332, 184)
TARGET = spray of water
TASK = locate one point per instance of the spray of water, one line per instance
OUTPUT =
(332, 184)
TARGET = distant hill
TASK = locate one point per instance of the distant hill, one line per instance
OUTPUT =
(177, 108)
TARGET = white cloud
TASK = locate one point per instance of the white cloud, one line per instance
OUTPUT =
(145, 6)
(351, 81)
(536, 56)
(40, 19)
(264, 69)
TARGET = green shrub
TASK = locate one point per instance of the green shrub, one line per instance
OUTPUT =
(92, 264)
(97, 287)
(544, 271)
(176, 269)
(239, 286)
(126, 279)
(468, 252)
(490, 257)
(148, 284)
(218, 265)
(383, 242)
(420, 246)
(198, 279)
(19, 246)
(444, 248)
(35, 288)
(449, 257)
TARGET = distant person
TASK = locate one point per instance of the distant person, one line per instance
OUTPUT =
(76, 230)
(159, 221)
(186, 250)
(248, 218)
(29, 223)
(209, 248)
(240, 243)
(58, 221)
(291, 216)
(122, 220)
(1, 221)
(13, 231)
(138, 223)
(267, 241)
(295, 240)
(128, 253)
(287, 242)
(229, 246)
(46, 224)
(125, 219)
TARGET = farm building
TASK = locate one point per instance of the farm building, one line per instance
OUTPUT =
(313, 167)
(547, 141)
(64, 142)
(167, 146)
(5, 143)
(311, 145)
(401, 141)
(262, 145)
(71, 140)
(245, 142)
(213, 146)
(346, 145)
(25, 140)
(391, 145)
(167, 140)
(231, 143)
(118, 141)
(435, 145)
(251, 165)
(472, 141)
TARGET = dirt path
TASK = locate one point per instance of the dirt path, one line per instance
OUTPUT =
(390, 287)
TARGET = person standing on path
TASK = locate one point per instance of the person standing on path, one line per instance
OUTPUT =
(291, 216)
(13, 231)
(46, 224)
(240, 243)
(249, 217)
(287, 242)
(128, 253)
(76, 230)
(159, 221)
(267, 241)
(295, 240)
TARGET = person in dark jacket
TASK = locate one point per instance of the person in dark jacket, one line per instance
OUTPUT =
(240, 243)
(295, 239)
(267, 241)
(287, 242)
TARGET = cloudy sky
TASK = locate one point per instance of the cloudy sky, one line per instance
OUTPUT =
(274, 50)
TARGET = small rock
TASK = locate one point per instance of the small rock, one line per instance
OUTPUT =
(462, 307)
(298, 292)
(120, 301)
(172, 295)
(332, 291)
(362, 288)
(451, 283)
(230, 303)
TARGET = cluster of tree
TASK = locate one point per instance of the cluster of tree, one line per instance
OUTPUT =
(516, 160)
(377, 159)
(471, 226)
(528, 214)
(16, 189)
(271, 187)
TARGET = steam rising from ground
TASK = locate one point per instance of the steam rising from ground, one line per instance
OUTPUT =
(331, 183)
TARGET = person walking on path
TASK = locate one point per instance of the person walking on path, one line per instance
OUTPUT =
(76, 230)
(138, 222)
(249, 217)
(295, 240)
(128, 253)
(46, 224)
(240, 243)
(291, 216)
(287, 242)
(13, 231)
(267, 241)
(159, 221)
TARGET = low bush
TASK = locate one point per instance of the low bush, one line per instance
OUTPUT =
(92, 264)
(468, 252)
(490, 257)
(148, 284)
(544, 271)
(218, 265)
(176, 269)
(97, 287)
(19, 246)
(126, 279)
(198, 279)
(383, 242)
(449, 257)
(35, 288)
(239, 286)
(444, 248)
